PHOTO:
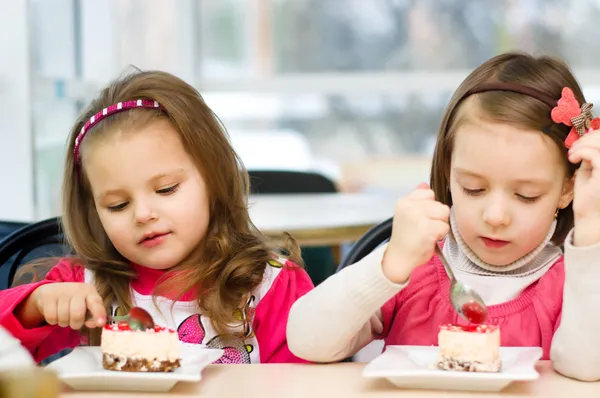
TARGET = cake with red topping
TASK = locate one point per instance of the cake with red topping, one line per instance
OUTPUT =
(155, 349)
(472, 348)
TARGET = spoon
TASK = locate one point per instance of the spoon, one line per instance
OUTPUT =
(137, 319)
(466, 302)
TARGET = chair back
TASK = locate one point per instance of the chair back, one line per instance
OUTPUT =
(367, 243)
(8, 227)
(31, 242)
(289, 182)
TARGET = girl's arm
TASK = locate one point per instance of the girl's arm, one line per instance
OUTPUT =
(575, 350)
(342, 314)
(41, 340)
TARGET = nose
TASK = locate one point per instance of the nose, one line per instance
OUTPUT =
(144, 212)
(496, 213)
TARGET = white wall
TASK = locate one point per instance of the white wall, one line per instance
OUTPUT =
(16, 160)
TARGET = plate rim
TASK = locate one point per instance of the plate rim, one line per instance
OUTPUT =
(527, 374)
(101, 373)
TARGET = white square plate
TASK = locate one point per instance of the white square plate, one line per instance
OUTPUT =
(415, 367)
(82, 370)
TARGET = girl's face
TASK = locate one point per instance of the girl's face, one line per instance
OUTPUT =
(506, 185)
(150, 197)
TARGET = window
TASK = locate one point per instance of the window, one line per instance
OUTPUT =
(361, 84)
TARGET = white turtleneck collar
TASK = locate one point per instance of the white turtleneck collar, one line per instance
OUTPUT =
(498, 284)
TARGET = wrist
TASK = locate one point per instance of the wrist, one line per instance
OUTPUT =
(395, 268)
(28, 314)
(586, 231)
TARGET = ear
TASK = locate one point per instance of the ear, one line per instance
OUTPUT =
(568, 191)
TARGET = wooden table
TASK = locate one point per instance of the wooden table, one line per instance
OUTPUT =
(320, 219)
(337, 380)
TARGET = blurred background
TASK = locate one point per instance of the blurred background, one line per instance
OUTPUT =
(352, 89)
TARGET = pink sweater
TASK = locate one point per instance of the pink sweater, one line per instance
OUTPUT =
(529, 320)
(557, 311)
(281, 287)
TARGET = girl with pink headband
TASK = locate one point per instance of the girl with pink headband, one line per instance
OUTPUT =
(155, 208)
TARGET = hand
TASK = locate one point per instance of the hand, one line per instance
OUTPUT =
(419, 223)
(586, 201)
(68, 304)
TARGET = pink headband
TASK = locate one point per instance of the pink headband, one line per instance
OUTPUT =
(104, 113)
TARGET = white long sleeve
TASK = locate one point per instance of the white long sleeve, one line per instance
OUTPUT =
(342, 314)
(575, 350)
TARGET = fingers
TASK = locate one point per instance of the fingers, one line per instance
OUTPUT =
(63, 310)
(96, 308)
(438, 211)
(419, 222)
(67, 305)
(92, 323)
(591, 139)
(422, 194)
(440, 229)
(432, 231)
(585, 153)
(586, 148)
(427, 204)
(50, 311)
(77, 312)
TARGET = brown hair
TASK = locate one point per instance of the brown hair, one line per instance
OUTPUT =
(230, 261)
(545, 74)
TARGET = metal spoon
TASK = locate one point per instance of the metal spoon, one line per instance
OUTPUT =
(466, 302)
(137, 319)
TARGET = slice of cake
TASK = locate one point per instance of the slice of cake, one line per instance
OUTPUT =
(473, 348)
(155, 349)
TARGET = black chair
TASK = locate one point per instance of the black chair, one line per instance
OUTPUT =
(367, 243)
(289, 182)
(31, 242)
(8, 227)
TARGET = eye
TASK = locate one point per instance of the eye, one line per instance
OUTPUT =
(118, 207)
(168, 190)
(472, 192)
(528, 199)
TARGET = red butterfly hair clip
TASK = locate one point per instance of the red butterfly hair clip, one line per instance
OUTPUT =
(570, 113)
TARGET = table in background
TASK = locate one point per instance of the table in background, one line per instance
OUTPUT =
(320, 219)
(337, 380)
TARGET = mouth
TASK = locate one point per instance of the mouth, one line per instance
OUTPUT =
(153, 237)
(494, 243)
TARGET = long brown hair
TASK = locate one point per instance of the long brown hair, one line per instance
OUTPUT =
(230, 261)
(547, 75)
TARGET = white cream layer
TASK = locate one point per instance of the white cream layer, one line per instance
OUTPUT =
(469, 346)
(162, 346)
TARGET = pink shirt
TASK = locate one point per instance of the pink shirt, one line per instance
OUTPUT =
(412, 316)
(283, 284)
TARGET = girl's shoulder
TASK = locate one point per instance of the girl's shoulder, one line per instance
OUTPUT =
(282, 277)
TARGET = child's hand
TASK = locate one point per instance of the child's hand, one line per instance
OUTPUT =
(68, 303)
(419, 223)
(586, 202)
